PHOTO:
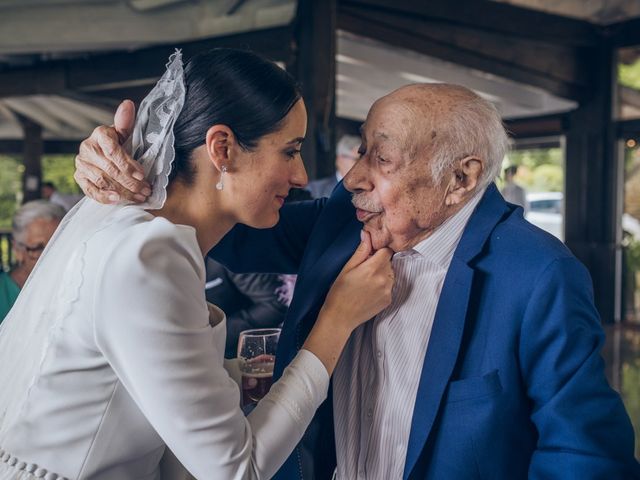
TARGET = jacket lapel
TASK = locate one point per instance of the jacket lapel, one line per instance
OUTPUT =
(449, 322)
(441, 356)
(316, 279)
(333, 242)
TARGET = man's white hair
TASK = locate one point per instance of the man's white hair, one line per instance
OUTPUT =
(347, 144)
(471, 127)
(31, 211)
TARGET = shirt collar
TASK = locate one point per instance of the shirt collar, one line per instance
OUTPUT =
(441, 244)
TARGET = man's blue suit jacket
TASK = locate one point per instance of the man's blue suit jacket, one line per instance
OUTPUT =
(512, 385)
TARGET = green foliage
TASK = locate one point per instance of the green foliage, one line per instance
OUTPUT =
(631, 159)
(541, 169)
(547, 178)
(55, 168)
(631, 395)
(629, 75)
(632, 182)
(631, 254)
(59, 170)
(532, 158)
(10, 188)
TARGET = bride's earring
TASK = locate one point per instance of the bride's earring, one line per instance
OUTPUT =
(220, 184)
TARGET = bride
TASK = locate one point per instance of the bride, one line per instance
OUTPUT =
(111, 352)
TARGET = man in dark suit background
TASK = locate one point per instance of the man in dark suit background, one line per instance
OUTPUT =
(249, 300)
(346, 156)
(487, 364)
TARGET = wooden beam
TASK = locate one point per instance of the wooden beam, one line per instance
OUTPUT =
(495, 17)
(32, 159)
(549, 125)
(562, 71)
(16, 147)
(592, 194)
(624, 34)
(628, 127)
(116, 95)
(346, 126)
(130, 69)
(537, 127)
(313, 64)
(558, 62)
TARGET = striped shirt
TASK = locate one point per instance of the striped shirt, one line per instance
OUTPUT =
(376, 379)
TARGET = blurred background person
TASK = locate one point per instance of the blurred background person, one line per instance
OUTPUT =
(32, 227)
(346, 156)
(66, 201)
(511, 191)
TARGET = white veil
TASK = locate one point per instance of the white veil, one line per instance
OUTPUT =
(53, 286)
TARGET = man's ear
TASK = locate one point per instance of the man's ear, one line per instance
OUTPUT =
(464, 179)
(218, 143)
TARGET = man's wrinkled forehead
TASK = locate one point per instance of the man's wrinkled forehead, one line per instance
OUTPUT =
(400, 124)
(388, 122)
(377, 134)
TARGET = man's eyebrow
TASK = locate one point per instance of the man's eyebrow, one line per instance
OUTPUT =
(381, 135)
(296, 140)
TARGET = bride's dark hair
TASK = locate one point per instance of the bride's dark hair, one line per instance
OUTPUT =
(237, 88)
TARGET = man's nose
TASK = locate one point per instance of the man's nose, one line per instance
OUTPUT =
(299, 177)
(356, 179)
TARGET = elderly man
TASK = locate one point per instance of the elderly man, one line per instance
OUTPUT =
(487, 364)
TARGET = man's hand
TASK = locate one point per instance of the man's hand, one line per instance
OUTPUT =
(104, 170)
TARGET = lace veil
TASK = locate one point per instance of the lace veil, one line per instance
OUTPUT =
(54, 285)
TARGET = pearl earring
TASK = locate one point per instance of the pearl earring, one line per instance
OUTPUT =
(220, 184)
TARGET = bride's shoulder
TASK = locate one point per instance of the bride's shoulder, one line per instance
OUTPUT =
(142, 226)
(135, 235)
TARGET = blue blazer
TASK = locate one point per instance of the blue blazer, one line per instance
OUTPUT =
(513, 383)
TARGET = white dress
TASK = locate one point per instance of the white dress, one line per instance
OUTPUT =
(135, 365)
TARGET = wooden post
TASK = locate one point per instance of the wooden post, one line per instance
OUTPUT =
(32, 159)
(591, 184)
(313, 63)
